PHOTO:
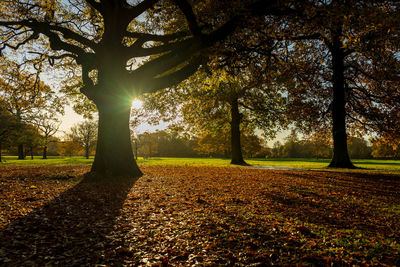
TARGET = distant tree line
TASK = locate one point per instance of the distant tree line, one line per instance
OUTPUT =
(80, 140)
(172, 143)
(359, 148)
(25, 138)
(37, 137)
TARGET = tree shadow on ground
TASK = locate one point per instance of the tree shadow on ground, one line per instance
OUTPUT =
(342, 201)
(70, 230)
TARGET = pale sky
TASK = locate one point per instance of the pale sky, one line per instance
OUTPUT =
(71, 117)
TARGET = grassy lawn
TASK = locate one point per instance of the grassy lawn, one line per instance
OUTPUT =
(372, 164)
(51, 160)
(298, 163)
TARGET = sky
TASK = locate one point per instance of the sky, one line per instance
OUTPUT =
(70, 118)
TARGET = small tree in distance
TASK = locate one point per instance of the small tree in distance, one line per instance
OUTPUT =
(69, 148)
(84, 133)
(47, 125)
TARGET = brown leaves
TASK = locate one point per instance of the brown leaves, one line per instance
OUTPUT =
(203, 215)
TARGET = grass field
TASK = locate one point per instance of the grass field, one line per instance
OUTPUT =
(298, 163)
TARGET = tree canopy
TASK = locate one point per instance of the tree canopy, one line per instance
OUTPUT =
(123, 49)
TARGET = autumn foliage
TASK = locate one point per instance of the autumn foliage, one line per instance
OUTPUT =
(178, 215)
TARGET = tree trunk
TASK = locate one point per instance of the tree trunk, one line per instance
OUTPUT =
(87, 152)
(114, 156)
(0, 152)
(31, 152)
(341, 157)
(136, 150)
(21, 154)
(237, 157)
(45, 152)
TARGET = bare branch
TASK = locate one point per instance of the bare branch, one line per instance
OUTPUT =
(33, 36)
(46, 28)
(53, 57)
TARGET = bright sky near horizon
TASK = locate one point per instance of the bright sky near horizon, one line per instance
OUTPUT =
(71, 117)
(68, 120)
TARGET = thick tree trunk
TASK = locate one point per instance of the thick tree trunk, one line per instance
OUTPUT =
(114, 156)
(21, 154)
(113, 97)
(31, 152)
(237, 157)
(341, 157)
(45, 152)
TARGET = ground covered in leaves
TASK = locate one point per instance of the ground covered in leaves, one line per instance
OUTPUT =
(198, 216)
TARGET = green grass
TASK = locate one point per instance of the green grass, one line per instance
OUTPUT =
(52, 160)
(299, 163)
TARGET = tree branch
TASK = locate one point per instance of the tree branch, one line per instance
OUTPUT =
(96, 6)
(187, 10)
(174, 78)
(66, 55)
(181, 52)
(168, 61)
(314, 36)
(89, 87)
(145, 37)
(142, 52)
(135, 11)
(69, 34)
(45, 28)
(33, 36)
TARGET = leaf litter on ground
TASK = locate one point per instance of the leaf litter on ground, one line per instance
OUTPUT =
(198, 216)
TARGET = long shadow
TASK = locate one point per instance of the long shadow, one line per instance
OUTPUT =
(292, 159)
(360, 208)
(70, 230)
(381, 162)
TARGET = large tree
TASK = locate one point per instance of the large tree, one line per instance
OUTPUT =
(242, 99)
(24, 93)
(344, 75)
(124, 49)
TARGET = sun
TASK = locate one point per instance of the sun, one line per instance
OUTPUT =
(137, 104)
